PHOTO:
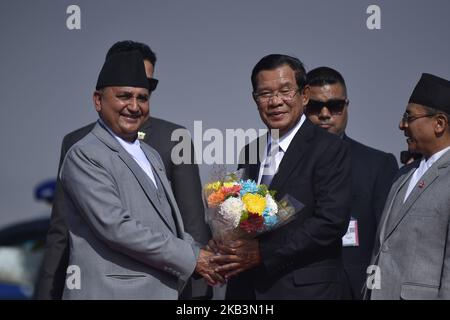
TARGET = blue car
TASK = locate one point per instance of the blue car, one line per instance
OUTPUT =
(21, 254)
(22, 251)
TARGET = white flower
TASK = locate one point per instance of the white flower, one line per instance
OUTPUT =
(271, 205)
(141, 135)
(231, 209)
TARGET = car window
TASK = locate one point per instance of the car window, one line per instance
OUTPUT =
(19, 265)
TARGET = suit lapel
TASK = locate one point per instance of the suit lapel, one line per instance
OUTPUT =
(159, 171)
(294, 154)
(392, 198)
(144, 181)
(147, 128)
(251, 170)
(426, 181)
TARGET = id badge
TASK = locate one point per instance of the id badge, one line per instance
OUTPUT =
(350, 239)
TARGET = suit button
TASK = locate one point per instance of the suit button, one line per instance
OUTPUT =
(385, 248)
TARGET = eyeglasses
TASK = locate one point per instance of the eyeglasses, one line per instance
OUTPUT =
(334, 106)
(407, 118)
(284, 94)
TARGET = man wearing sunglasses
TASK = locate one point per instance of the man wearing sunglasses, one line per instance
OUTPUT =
(412, 248)
(372, 173)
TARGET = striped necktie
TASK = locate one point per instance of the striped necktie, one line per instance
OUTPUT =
(270, 165)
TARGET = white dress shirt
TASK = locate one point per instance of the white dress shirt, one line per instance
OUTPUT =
(283, 144)
(135, 151)
(422, 169)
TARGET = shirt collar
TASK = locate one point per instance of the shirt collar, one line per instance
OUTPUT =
(435, 157)
(123, 142)
(286, 140)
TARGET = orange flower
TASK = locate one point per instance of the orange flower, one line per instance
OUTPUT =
(231, 191)
(215, 199)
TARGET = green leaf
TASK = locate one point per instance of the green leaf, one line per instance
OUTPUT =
(244, 215)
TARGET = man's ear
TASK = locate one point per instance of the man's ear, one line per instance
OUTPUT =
(97, 99)
(305, 93)
(441, 123)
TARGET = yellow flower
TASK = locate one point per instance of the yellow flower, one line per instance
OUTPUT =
(254, 203)
(228, 184)
(213, 186)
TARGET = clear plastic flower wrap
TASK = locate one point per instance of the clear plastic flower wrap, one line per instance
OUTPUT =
(240, 208)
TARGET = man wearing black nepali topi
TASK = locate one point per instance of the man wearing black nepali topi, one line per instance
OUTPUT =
(411, 258)
(127, 238)
(157, 133)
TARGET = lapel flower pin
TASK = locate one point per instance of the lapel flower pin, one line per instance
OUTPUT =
(141, 135)
(421, 184)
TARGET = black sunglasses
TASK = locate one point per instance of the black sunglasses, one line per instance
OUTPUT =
(334, 106)
(152, 83)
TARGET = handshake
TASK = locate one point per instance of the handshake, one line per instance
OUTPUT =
(218, 261)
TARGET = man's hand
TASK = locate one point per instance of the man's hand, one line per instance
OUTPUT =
(236, 257)
(206, 268)
(212, 246)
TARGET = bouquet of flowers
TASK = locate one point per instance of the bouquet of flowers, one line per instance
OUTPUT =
(238, 208)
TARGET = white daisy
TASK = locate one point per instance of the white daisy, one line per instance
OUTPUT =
(231, 209)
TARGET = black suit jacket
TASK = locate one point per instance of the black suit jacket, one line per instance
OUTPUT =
(372, 175)
(303, 259)
(158, 135)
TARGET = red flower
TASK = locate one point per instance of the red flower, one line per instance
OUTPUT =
(254, 223)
